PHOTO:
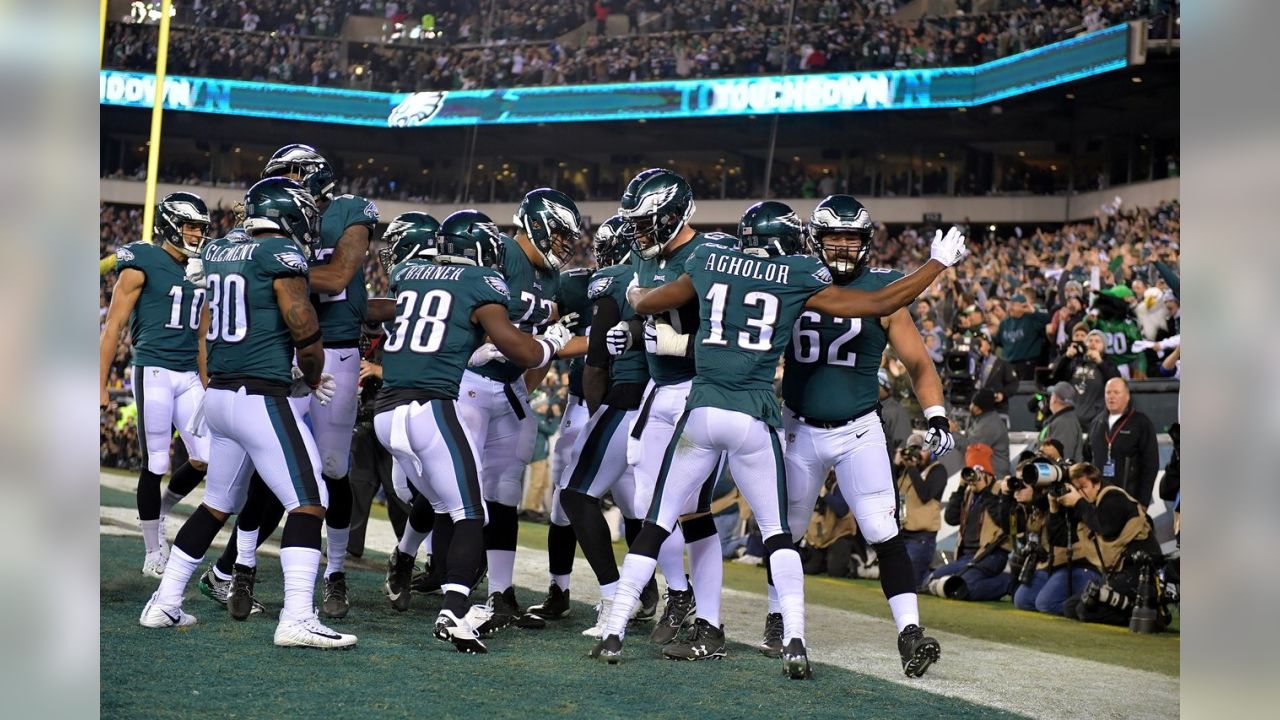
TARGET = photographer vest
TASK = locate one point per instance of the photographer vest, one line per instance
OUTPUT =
(1108, 555)
(1058, 556)
(914, 513)
(825, 528)
(991, 536)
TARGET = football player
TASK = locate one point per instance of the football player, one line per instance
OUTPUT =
(612, 389)
(164, 312)
(494, 399)
(260, 319)
(445, 301)
(830, 391)
(748, 299)
(338, 292)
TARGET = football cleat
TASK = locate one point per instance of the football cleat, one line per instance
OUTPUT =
(310, 632)
(602, 616)
(502, 613)
(609, 650)
(240, 600)
(918, 651)
(156, 616)
(795, 660)
(771, 646)
(678, 613)
(458, 631)
(214, 588)
(399, 580)
(153, 565)
(556, 605)
(425, 583)
(705, 643)
(648, 607)
(335, 603)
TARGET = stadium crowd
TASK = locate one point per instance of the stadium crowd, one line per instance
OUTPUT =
(696, 40)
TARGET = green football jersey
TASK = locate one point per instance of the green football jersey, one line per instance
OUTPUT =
(631, 367)
(342, 313)
(747, 306)
(573, 299)
(530, 305)
(1120, 336)
(432, 337)
(165, 321)
(247, 335)
(831, 365)
(667, 370)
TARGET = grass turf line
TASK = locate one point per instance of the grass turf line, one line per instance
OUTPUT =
(224, 667)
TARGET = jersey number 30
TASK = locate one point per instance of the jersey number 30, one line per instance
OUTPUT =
(424, 328)
(228, 319)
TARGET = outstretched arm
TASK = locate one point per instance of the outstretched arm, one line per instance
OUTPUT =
(651, 301)
(518, 347)
(845, 302)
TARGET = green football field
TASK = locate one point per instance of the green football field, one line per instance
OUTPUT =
(225, 668)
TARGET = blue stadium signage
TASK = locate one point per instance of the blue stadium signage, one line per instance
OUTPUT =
(1037, 69)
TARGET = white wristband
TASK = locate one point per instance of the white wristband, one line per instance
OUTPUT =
(934, 411)
(548, 352)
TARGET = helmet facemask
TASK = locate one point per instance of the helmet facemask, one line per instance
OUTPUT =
(174, 215)
(845, 253)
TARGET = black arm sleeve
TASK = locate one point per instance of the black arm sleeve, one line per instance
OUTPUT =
(1107, 519)
(955, 505)
(935, 483)
(604, 315)
(918, 483)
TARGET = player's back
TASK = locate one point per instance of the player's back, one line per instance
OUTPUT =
(248, 338)
(831, 364)
(432, 336)
(747, 305)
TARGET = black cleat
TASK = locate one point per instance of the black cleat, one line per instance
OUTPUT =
(240, 600)
(678, 613)
(705, 643)
(609, 650)
(425, 583)
(503, 614)
(795, 661)
(453, 629)
(399, 580)
(556, 605)
(918, 651)
(335, 603)
(648, 608)
(525, 620)
(771, 646)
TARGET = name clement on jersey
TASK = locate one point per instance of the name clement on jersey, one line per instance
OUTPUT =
(232, 253)
(748, 268)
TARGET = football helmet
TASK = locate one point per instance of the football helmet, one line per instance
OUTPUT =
(176, 210)
(469, 237)
(656, 205)
(410, 235)
(610, 246)
(771, 229)
(840, 233)
(550, 219)
(282, 205)
(313, 171)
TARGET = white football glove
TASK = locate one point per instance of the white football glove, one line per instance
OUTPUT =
(1141, 345)
(558, 335)
(939, 438)
(665, 340)
(617, 339)
(324, 392)
(486, 353)
(948, 249)
(195, 272)
(570, 321)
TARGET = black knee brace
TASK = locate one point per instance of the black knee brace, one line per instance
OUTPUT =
(301, 530)
(503, 528)
(198, 532)
(649, 540)
(698, 528)
(896, 573)
(338, 514)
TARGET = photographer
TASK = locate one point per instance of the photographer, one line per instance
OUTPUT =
(1122, 443)
(1060, 566)
(1084, 366)
(983, 543)
(920, 488)
(986, 428)
(1117, 539)
(1063, 424)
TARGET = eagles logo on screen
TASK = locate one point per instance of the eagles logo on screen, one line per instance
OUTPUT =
(124, 254)
(417, 109)
(292, 260)
(498, 284)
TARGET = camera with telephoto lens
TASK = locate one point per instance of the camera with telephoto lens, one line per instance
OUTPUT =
(1041, 473)
(956, 373)
(1038, 406)
(1023, 561)
(968, 474)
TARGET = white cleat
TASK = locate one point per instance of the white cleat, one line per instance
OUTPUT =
(153, 565)
(155, 615)
(310, 632)
(458, 631)
(602, 615)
